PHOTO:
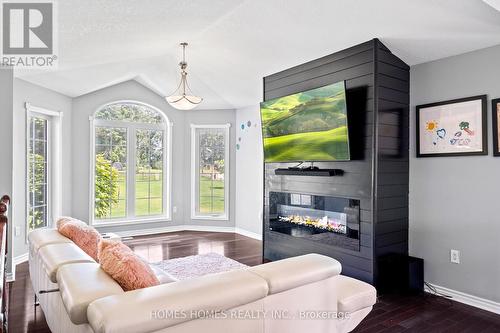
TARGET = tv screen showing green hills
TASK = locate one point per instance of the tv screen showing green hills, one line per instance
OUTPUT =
(307, 126)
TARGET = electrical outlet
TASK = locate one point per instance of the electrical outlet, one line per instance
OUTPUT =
(17, 231)
(174, 209)
(455, 256)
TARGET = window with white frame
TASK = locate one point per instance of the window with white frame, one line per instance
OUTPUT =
(210, 171)
(42, 166)
(131, 163)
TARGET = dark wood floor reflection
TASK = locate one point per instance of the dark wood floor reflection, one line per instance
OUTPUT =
(187, 243)
(390, 314)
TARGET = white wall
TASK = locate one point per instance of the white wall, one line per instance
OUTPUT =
(6, 140)
(250, 170)
(6, 133)
(48, 99)
(453, 200)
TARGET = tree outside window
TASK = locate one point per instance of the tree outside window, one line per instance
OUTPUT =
(129, 162)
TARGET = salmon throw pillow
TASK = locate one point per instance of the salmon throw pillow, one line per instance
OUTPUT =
(62, 220)
(124, 266)
(84, 236)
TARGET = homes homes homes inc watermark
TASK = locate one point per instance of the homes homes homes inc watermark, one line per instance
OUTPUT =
(29, 38)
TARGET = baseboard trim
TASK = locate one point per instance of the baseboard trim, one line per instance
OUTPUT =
(11, 276)
(247, 233)
(468, 299)
(208, 228)
(20, 259)
(146, 232)
(175, 228)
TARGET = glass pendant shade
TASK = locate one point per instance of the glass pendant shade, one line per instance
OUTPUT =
(181, 99)
(184, 102)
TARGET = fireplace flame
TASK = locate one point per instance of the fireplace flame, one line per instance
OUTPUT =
(323, 223)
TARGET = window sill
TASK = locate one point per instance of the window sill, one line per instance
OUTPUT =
(103, 223)
(210, 218)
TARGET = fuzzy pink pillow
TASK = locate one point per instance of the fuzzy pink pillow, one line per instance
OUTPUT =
(83, 235)
(124, 266)
(62, 220)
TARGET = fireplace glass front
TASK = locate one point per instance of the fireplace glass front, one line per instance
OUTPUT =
(330, 220)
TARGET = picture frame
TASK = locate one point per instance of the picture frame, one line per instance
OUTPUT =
(455, 127)
(495, 109)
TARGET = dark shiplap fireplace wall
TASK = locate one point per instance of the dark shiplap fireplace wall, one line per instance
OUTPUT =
(377, 84)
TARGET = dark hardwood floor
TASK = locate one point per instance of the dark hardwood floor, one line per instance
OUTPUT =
(390, 314)
(427, 313)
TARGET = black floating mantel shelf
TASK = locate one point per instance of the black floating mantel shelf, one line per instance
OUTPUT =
(308, 172)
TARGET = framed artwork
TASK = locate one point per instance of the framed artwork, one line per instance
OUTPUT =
(495, 107)
(453, 128)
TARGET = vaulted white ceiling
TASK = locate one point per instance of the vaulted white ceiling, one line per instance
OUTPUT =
(234, 43)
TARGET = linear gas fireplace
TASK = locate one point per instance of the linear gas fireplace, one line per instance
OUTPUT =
(329, 220)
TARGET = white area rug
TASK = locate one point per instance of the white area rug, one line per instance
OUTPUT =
(198, 265)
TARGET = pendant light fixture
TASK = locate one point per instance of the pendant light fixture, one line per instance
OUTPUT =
(182, 98)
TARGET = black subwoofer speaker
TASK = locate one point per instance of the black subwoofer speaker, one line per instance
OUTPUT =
(400, 274)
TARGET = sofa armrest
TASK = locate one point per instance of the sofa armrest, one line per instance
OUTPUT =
(354, 295)
(294, 272)
(159, 307)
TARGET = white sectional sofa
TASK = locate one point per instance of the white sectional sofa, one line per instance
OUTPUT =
(301, 294)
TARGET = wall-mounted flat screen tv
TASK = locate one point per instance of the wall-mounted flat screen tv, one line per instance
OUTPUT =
(306, 127)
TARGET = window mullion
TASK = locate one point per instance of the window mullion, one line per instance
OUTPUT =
(110, 209)
(226, 171)
(149, 170)
(212, 174)
(131, 165)
(48, 172)
(166, 178)
(33, 171)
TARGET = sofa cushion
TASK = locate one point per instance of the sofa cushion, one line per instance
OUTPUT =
(354, 295)
(297, 271)
(80, 284)
(54, 256)
(135, 311)
(83, 235)
(123, 265)
(41, 237)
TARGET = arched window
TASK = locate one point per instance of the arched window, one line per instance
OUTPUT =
(131, 163)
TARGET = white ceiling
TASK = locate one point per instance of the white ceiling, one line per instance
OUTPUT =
(234, 43)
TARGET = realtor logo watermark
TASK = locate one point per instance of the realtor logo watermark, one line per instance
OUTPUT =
(28, 34)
